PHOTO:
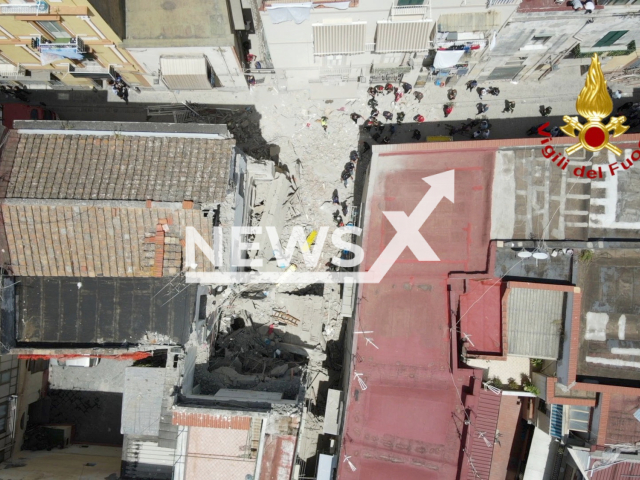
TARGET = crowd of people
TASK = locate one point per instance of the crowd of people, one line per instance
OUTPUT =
(120, 88)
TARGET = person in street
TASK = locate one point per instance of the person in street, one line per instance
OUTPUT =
(373, 103)
(482, 108)
(485, 134)
(622, 108)
(392, 130)
(355, 117)
(324, 123)
(589, 7)
(374, 113)
(419, 96)
(346, 175)
(471, 84)
(379, 88)
(386, 140)
(418, 118)
(555, 131)
(617, 94)
(389, 88)
(376, 137)
(416, 135)
(350, 166)
(388, 116)
(451, 94)
(534, 130)
(448, 108)
(407, 87)
(365, 147)
(545, 111)
(335, 198)
(398, 96)
(485, 125)
(476, 135)
(481, 92)
(353, 156)
(400, 118)
(509, 106)
(372, 91)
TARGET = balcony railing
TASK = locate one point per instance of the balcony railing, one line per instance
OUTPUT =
(38, 8)
(422, 10)
(11, 71)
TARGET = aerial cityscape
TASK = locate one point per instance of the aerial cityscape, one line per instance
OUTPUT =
(325, 240)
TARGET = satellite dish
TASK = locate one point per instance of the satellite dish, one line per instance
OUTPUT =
(541, 255)
(524, 254)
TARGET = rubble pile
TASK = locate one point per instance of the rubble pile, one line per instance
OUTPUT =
(252, 358)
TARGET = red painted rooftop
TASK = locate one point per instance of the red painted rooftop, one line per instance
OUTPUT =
(617, 471)
(409, 422)
(481, 317)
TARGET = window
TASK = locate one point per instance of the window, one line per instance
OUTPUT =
(610, 38)
(5, 377)
(55, 29)
(4, 410)
(539, 40)
(404, 3)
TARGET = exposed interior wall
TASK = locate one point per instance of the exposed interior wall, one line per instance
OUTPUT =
(90, 463)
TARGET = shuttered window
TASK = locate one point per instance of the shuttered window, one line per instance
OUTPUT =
(340, 39)
(394, 36)
(610, 38)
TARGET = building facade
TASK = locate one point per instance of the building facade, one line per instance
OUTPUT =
(345, 44)
(189, 45)
(543, 36)
(64, 43)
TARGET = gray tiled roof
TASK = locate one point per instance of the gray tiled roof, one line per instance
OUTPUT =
(535, 319)
(117, 167)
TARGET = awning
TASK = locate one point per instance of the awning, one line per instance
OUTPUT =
(341, 39)
(186, 73)
(298, 12)
(447, 58)
(469, 22)
(402, 36)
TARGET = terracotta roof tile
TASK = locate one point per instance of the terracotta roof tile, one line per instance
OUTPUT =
(117, 167)
(63, 239)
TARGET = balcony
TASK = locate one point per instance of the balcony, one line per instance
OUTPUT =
(94, 72)
(36, 8)
(71, 48)
(421, 10)
(10, 71)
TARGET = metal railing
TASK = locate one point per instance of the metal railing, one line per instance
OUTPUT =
(37, 8)
(497, 3)
(8, 70)
(423, 10)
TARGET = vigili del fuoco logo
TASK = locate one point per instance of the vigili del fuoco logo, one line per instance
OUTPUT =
(594, 103)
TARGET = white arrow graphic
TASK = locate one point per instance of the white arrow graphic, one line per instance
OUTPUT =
(408, 227)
